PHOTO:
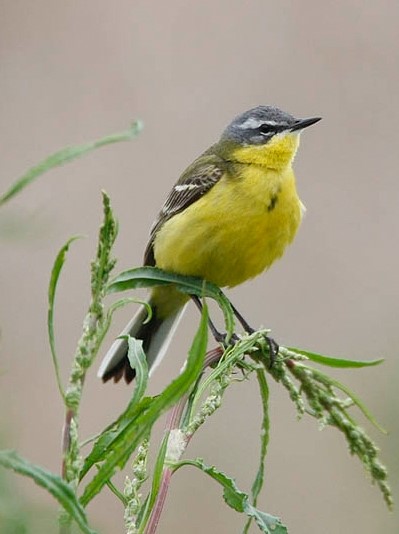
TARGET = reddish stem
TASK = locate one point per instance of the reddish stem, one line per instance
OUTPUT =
(159, 503)
(173, 422)
(66, 439)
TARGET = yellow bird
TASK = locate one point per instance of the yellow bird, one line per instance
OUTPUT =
(230, 215)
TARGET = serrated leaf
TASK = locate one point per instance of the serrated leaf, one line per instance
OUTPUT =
(126, 439)
(335, 362)
(65, 156)
(54, 484)
(55, 274)
(267, 523)
(236, 499)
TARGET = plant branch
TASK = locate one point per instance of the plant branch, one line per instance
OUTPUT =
(94, 328)
(177, 443)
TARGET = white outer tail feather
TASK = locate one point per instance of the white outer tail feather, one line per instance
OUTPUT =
(159, 343)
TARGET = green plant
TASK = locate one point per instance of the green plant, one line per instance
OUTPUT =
(191, 398)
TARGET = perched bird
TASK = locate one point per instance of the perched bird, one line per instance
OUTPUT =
(230, 215)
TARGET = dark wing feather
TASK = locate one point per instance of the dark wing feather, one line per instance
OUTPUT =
(197, 180)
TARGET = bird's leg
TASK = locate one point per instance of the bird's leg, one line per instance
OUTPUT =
(221, 338)
(218, 336)
(248, 329)
(273, 346)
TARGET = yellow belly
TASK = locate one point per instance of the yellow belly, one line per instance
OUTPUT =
(235, 231)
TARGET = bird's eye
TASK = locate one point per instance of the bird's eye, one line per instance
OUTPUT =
(266, 129)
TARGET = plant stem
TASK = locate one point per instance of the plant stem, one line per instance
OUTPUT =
(66, 440)
(94, 328)
(174, 424)
(161, 497)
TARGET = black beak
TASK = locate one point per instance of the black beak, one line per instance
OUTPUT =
(300, 124)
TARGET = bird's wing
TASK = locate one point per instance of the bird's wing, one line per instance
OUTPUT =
(192, 185)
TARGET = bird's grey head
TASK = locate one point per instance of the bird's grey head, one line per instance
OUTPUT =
(258, 125)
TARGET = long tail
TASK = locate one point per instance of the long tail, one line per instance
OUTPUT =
(156, 336)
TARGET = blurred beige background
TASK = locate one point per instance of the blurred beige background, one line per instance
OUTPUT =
(74, 71)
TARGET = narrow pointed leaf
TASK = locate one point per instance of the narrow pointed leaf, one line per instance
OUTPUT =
(114, 433)
(152, 276)
(55, 274)
(335, 362)
(52, 483)
(362, 407)
(65, 156)
(126, 439)
(138, 361)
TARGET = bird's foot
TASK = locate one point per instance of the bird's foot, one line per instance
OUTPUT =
(273, 346)
(234, 338)
(273, 350)
(221, 337)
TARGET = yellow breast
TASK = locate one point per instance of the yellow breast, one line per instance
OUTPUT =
(236, 230)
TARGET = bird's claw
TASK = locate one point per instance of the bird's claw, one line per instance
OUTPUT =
(273, 350)
(222, 338)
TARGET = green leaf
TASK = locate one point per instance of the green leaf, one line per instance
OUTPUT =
(138, 361)
(118, 494)
(126, 438)
(335, 383)
(115, 306)
(156, 484)
(65, 156)
(52, 483)
(267, 523)
(264, 440)
(114, 433)
(105, 440)
(130, 300)
(231, 356)
(158, 470)
(335, 362)
(146, 277)
(236, 499)
(137, 406)
(55, 273)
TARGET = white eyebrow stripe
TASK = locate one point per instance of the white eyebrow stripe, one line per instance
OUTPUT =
(255, 123)
(251, 123)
